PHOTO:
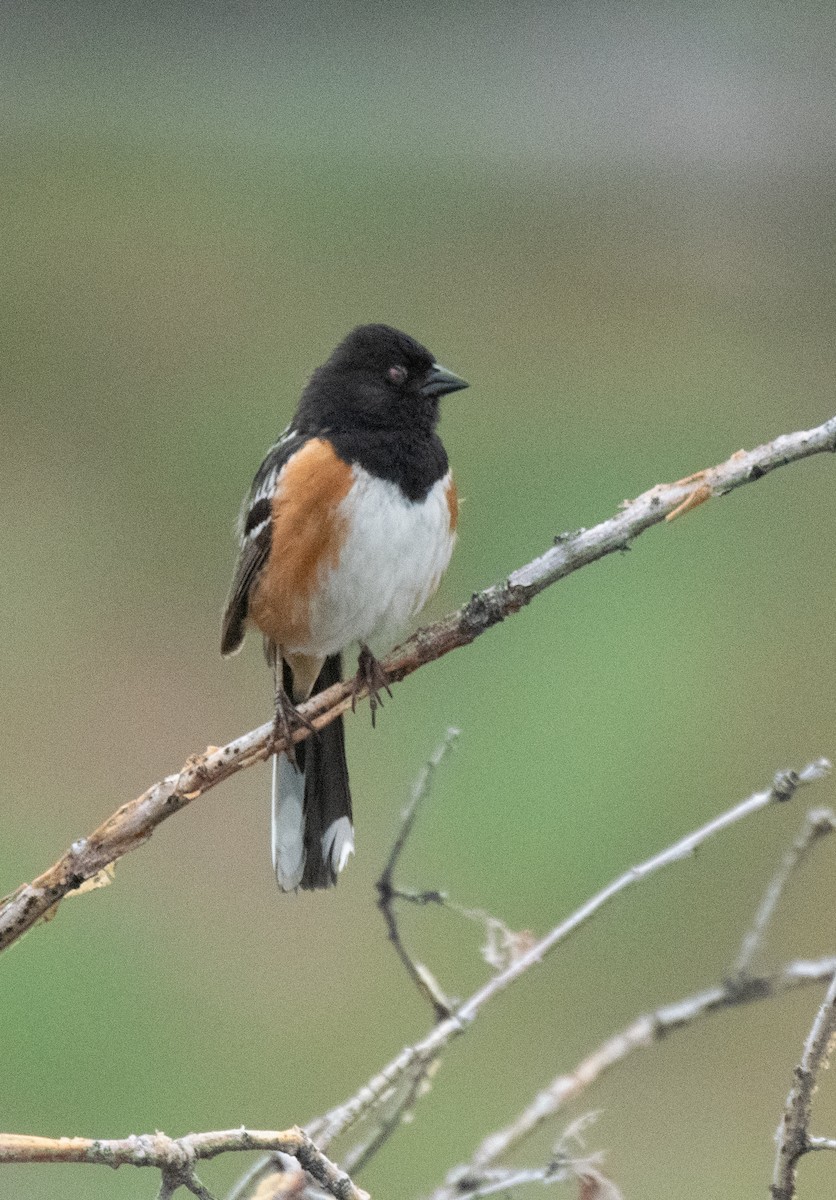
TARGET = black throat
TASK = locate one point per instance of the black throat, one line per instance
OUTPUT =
(412, 459)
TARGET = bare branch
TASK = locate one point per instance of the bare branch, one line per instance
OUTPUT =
(817, 824)
(326, 1128)
(420, 792)
(387, 893)
(399, 1112)
(273, 1177)
(134, 822)
(642, 1033)
(501, 1182)
(172, 1180)
(472, 1181)
(175, 1157)
(400, 1101)
(793, 1136)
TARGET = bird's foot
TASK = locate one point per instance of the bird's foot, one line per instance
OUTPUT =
(288, 718)
(371, 676)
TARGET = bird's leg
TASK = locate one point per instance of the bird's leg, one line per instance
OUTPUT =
(370, 675)
(287, 717)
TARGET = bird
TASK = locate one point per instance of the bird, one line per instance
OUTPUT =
(344, 535)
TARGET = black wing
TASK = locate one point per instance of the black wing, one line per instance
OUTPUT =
(255, 527)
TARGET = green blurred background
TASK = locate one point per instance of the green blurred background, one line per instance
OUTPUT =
(617, 221)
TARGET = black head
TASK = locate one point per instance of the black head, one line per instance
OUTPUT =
(377, 378)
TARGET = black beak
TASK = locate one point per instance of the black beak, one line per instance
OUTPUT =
(439, 381)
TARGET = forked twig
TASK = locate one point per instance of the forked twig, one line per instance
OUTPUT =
(345, 1115)
(387, 893)
(793, 1136)
(175, 1157)
(642, 1033)
(818, 823)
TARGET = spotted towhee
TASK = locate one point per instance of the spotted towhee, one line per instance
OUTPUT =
(346, 532)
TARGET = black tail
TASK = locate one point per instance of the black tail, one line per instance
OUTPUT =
(321, 824)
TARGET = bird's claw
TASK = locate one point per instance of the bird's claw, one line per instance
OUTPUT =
(288, 718)
(371, 677)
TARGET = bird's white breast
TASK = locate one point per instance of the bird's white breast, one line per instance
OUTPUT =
(391, 561)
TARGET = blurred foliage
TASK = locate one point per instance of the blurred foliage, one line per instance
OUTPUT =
(617, 222)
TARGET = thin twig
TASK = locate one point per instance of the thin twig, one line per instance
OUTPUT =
(501, 1182)
(420, 792)
(190, 1181)
(168, 1187)
(387, 893)
(245, 1187)
(821, 1143)
(793, 1135)
(175, 1157)
(472, 1181)
(335, 1122)
(399, 1113)
(132, 824)
(817, 824)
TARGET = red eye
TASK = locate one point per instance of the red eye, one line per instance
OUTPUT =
(397, 374)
